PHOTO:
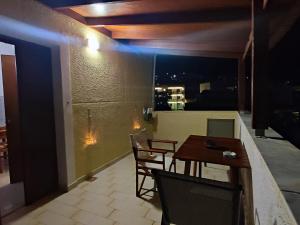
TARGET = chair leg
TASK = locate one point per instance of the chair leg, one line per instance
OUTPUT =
(141, 186)
(5, 155)
(155, 186)
(137, 184)
(174, 165)
(164, 221)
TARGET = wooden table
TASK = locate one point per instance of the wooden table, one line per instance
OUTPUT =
(195, 149)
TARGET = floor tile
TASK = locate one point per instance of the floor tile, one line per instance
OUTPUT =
(87, 218)
(129, 207)
(109, 200)
(51, 218)
(61, 209)
(125, 218)
(25, 221)
(95, 207)
(68, 199)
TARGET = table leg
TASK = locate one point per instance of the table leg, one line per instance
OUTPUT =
(200, 170)
(246, 180)
(234, 175)
(187, 168)
(195, 169)
(196, 166)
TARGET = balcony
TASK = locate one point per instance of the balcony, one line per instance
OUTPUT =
(85, 76)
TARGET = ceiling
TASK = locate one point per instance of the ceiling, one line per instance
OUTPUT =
(213, 27)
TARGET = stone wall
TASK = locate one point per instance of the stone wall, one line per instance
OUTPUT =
(113, 85)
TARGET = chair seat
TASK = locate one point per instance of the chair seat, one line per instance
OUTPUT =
(168, 162)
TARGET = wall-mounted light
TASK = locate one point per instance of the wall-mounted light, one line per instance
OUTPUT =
(90, 139)
(136, 125)
(99, 9)
(93, 44)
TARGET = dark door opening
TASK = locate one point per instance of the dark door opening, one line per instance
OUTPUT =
(35, 160)
(11, 178)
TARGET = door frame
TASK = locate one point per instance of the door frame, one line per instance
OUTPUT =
(62, 98)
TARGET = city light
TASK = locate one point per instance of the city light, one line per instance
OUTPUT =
(176, 102)
(175, 88)
(177, 95)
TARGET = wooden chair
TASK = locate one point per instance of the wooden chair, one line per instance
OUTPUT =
(187, 200)
(147, 158)
(3, 146)
(3, 142)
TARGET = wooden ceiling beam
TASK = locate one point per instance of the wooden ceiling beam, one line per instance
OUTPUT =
(213, 31)
(210, 54)
(71, 3)
(79, 18)
(265, 3)
(72, 14)
(282, 20)
(224, 46)
(212, 15)
(248, 46)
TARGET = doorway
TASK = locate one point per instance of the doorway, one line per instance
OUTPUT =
(30, 121)
(11, 183)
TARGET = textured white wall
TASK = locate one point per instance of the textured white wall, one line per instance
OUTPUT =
(114, 85)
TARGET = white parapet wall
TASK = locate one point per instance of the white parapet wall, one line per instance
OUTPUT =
(269, 204)
(178, 125)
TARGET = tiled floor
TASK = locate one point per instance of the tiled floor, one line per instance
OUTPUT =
(109, 200)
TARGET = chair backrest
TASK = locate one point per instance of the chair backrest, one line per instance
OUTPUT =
(3, 137)
(192, 201)
(139, 141)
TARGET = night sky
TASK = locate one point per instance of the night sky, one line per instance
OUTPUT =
(190, 72)
(200, 69)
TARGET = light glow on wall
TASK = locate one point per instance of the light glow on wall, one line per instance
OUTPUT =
(93, 44)
(136, 125)
(90, 139)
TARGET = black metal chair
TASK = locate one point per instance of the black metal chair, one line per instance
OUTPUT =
(189, 200)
